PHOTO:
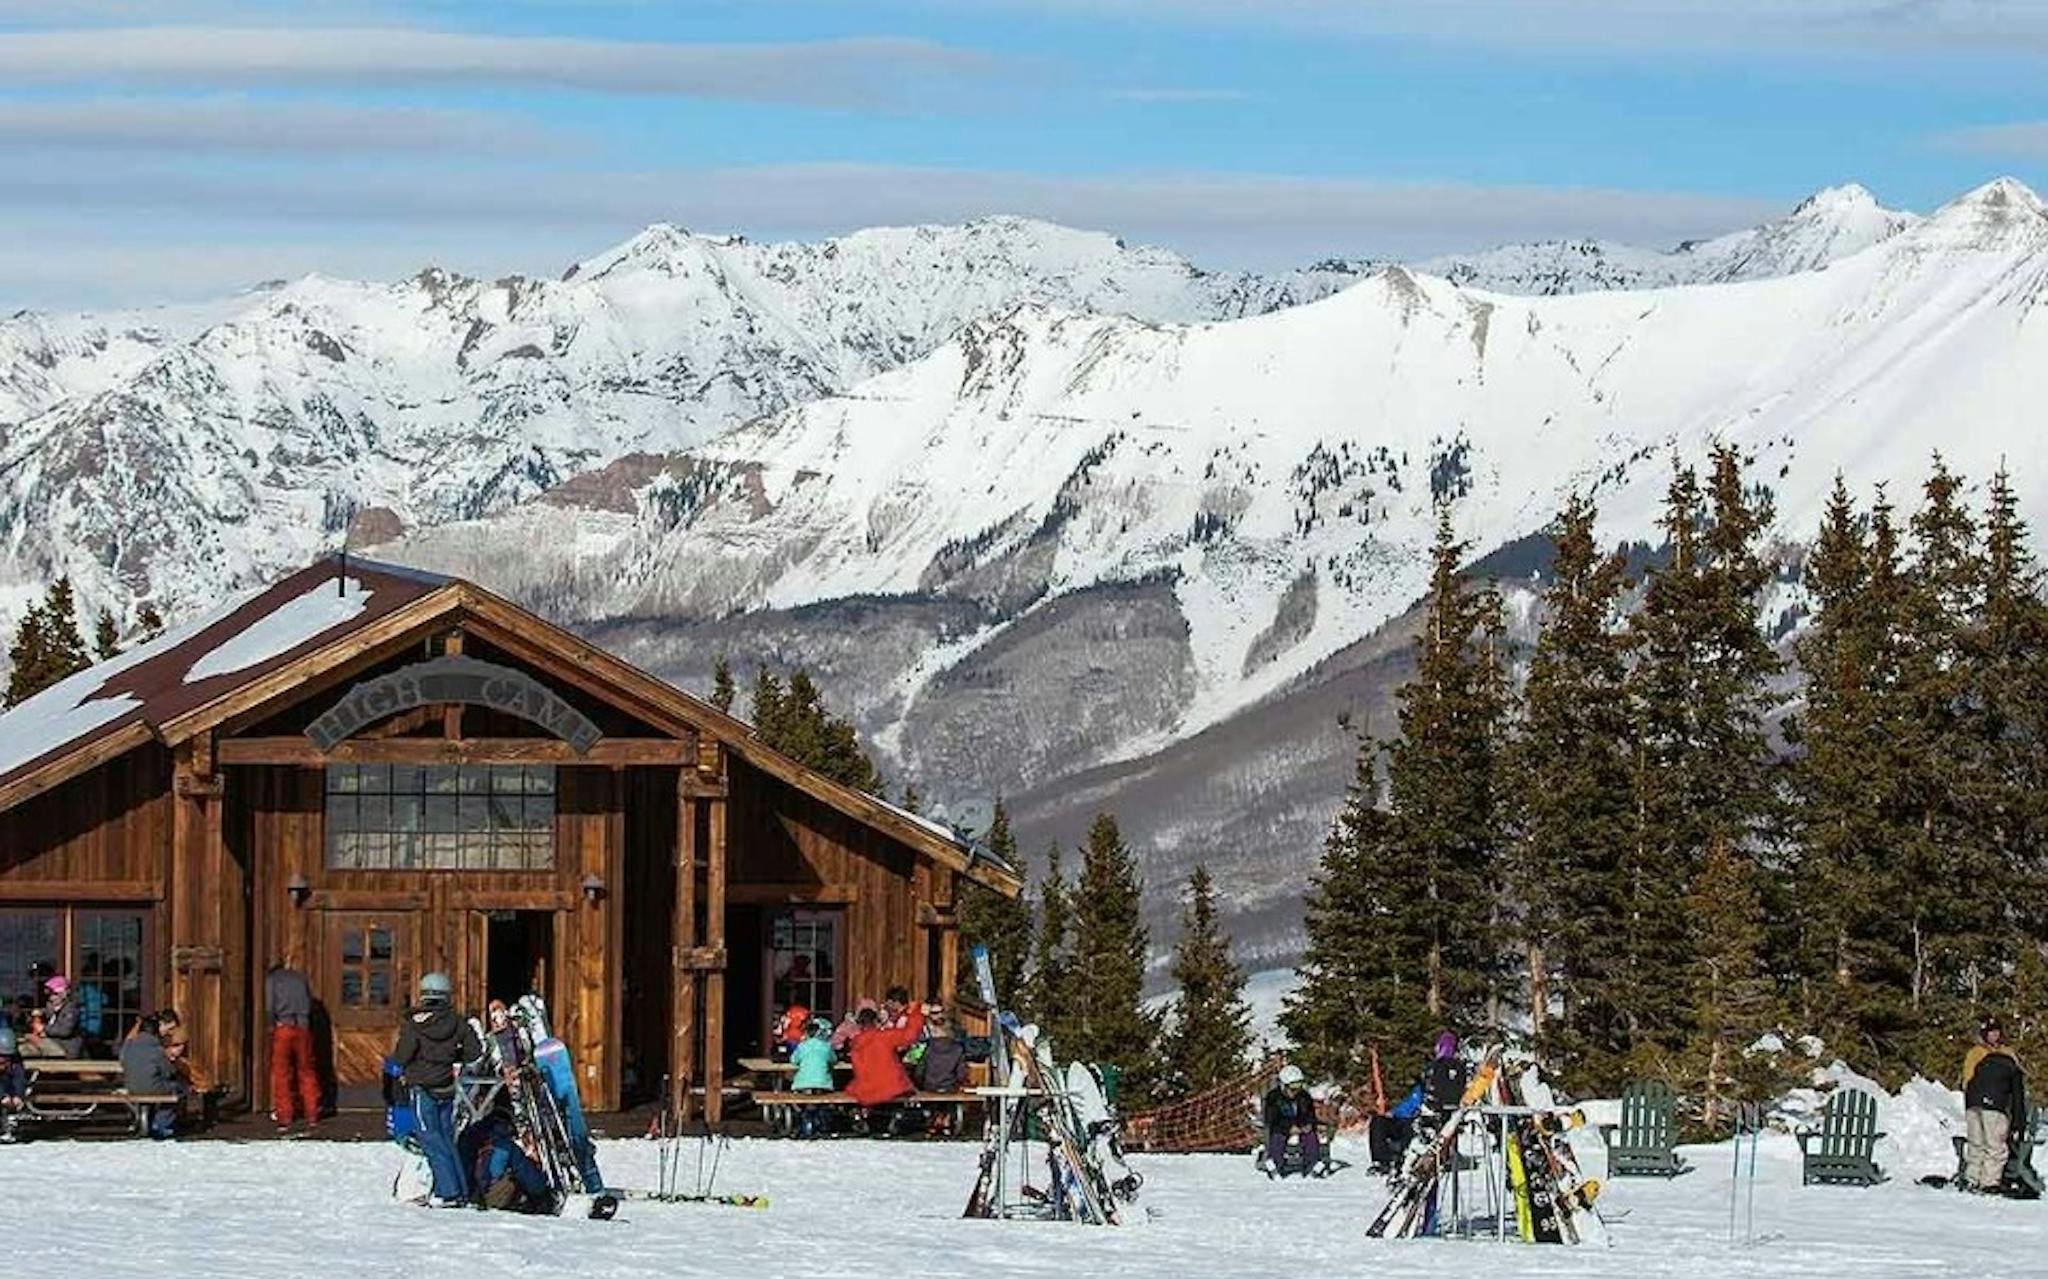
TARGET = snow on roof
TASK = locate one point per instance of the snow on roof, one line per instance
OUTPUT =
(73, 707)
(203, 659)
(320, 609)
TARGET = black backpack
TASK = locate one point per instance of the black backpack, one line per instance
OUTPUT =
(1444, 1082)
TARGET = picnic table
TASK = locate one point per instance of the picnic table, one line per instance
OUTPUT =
(780, 1109)
(75, 1089)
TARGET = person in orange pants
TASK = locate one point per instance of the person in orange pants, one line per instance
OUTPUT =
(294, 1084)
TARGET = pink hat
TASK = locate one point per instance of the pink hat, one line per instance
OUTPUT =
(59, 984)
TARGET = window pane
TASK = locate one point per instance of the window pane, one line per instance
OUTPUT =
(341, 777)
(352, 987)
(380, 943)
(380, 987)
(474, 780)
(540, 779)
(406, 779)
(441, 780)
(351, 946)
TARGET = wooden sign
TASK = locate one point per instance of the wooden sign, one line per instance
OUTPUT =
(454, 679)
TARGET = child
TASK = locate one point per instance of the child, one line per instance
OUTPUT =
(504, 1041)
(813, 1061)
(792, 1028)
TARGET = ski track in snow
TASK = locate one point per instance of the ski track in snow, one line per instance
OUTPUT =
(880, 1209)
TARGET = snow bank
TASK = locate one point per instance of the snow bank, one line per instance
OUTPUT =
(291, 624)
(1919, 1122)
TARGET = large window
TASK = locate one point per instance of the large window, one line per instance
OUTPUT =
(803, 962)
(105, 952)
(31, 947)
(440, 817)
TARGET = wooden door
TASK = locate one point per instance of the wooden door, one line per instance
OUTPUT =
(368, 968)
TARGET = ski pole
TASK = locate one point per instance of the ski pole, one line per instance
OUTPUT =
(1756, 1130)
(1735, 1176)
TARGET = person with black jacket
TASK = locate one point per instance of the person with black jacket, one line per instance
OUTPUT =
(1290, 1114)
(1994, 1104)
(434, 1044)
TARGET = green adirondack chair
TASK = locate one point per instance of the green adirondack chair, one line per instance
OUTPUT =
(1843, 1151)
(1644, 1143)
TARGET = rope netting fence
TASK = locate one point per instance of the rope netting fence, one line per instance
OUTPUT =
(1225, 1118)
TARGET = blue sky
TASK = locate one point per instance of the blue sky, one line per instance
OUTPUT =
(154, 150)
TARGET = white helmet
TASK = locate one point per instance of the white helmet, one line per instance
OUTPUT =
(1291, 1076)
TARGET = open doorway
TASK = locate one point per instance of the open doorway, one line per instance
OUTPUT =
(519, 948)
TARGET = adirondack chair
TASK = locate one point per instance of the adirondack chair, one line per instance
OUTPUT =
(2019, 1160)
(1843, 1151)
(1644, 1143)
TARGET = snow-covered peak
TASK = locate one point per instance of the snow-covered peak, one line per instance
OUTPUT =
(2002, 213)
(1850, 198)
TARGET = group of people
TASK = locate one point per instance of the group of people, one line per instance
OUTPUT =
(493, 1161)
(895, 1049)
(58, 1024)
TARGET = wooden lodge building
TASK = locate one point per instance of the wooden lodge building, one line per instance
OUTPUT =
(371, 773)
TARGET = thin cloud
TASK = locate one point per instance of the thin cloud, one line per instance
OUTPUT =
(2026, 139)
(1217, 219)
(864, 71)
(239, 124)
(1728, 25)
(1182, 95)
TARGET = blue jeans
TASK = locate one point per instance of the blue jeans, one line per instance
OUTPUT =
(436, 1135)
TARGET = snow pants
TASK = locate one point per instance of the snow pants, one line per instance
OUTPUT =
(1387, 1137)
(1984, 1148)
(294, 1084)
(1311, 1148)
(436, 1135)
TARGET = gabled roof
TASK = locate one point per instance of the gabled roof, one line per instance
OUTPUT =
(250, 650)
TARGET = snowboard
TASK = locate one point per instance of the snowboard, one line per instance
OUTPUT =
(1099, 1130)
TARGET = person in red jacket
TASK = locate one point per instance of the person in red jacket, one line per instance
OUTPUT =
(876, 1053)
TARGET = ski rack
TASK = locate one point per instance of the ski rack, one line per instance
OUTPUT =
(1446, 1189)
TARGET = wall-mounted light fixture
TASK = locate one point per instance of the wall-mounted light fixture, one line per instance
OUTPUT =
(593, 888)
(299, 889)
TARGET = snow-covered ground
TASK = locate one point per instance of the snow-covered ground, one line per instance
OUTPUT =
(862, 1208)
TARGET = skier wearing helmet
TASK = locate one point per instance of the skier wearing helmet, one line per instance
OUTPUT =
(433, 1046)
(1291, 1116)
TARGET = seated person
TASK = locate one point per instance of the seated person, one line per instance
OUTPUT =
(146, 1070)
(852, 1025)
(879, 1078)
(13, 1081)
(813, 1059)
(791, 1029)
(53, 1028)
(1291, 1115)
(942, 1068)
(504, 1176)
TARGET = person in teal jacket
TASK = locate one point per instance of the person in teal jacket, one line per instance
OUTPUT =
(813, 1061)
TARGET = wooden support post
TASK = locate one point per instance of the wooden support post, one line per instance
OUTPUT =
(714, 937)
(682, 1057)
(201, 989)
(948, 938)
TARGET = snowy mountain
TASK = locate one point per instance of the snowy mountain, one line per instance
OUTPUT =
(1831, 224)
(254, 431)
(1066, 542)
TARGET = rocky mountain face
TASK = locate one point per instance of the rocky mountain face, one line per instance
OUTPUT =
(1081, 560)
(255, 431)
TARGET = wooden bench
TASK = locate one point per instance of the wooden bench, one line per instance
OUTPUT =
(781, 1109)
(74, 1090)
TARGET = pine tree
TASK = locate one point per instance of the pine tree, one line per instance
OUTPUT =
(1401, 917)
(1046, 992)
(27, 657)
(722, 687)
(150, 622)
(47, 646)
(793, 719)
(1444, 782)
(1211, 1032)
(997, 921)
(1704, 768)
(1730, 992)
(1571, 776)
(106, 640)
(1358, 988)
(1849, 777)
(1108, 1021)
